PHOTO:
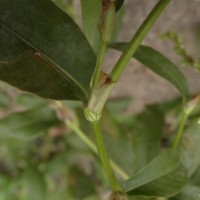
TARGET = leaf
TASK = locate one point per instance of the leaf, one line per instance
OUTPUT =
(159, 64)
(189, 149)
(118, 142)
(29, 101)
(119, 4)
(63, 5)
(35, 184)
(147, 134)
(91, 10)
(117, 106)
(164, 176)
(190, 192)
(29, 124)
(138, 137)
(5, 100)
(44, 52)
(195, 178)
(80, 185)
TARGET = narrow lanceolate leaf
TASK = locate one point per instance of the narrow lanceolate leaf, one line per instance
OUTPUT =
(164, 176)
(28, 125)
(91, 10)
(159, 64)
(43, 51)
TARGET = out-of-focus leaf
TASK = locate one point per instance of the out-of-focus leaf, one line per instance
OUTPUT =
(170, 105)
(118, 106)
(42, 53)
(14, 188)
(189, 192)
(118, 142)
(195, 179)
(29, 124)
(58, 194)
(119, 4)
(35, 184)
(92, 197)
(5, 101)
(140, 198)
(164, 176)
(147, 133)
(4, 184)
(56, 171)
(189, 148)
(139, 138)
(159, 64)
(80, 185)
(29, 100)
(91, 10)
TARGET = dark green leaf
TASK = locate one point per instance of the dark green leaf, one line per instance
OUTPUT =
(159, 64)
(189, 148)
(44, 51)
(119, 4)
(189, 192)
(91, 10)
(164, 176)
(65, 5)
(29, 124)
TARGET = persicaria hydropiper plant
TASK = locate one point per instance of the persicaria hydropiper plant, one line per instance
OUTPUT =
(44, 52)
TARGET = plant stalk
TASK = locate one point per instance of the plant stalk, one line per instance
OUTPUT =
(106, 25)
(100, 94)
(187, 110)
(180, 128)
(93, 147)
(100, 59)
(104, 156)
(74, 127)
(137, 39)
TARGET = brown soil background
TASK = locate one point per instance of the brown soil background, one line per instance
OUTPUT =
(182, 16)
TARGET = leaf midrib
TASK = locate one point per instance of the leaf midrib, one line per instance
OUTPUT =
(170, 170)
(56, 67)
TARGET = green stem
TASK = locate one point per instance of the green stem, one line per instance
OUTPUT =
(100, 59)
(180, 128)
(106, 25)
(74, 127)
(187, 110)
(92, 146)
(138, 38)
(104, 156)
